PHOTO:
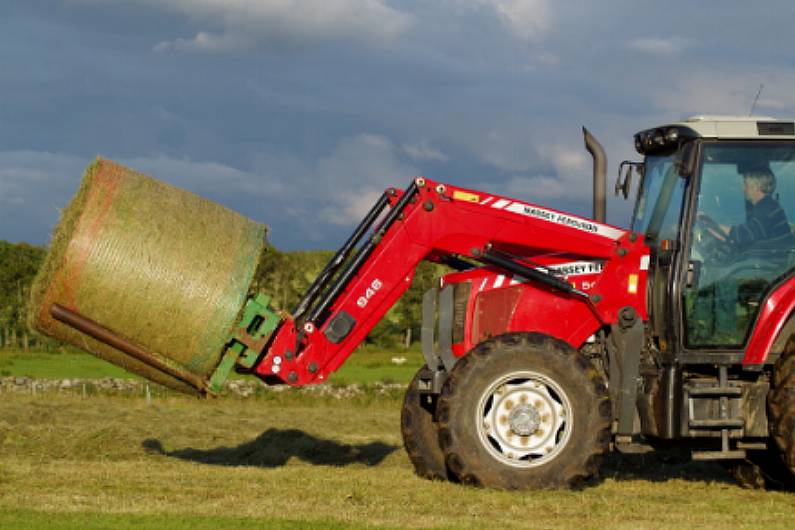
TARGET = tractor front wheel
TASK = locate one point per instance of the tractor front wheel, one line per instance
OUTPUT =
(420, 433)
(524, 410)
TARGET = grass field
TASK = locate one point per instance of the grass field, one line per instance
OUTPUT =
(366, 365)
(301, 462)
(69, 364)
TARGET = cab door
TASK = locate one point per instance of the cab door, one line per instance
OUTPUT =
(658, 215)
(740, 241)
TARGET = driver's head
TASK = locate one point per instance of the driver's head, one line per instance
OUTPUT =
(757, 183)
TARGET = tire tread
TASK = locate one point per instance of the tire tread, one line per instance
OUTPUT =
(465, 373)
(781, 405)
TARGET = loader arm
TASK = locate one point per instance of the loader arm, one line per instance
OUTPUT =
(435, 222)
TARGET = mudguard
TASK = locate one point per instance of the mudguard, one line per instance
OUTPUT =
(773, 315)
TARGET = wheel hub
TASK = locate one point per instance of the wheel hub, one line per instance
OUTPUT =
(525, 419)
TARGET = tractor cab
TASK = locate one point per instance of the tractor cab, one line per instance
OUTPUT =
(716, 203)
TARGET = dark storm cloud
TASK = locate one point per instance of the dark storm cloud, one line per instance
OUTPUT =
(298, 118)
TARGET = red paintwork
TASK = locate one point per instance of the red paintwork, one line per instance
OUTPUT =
(456, 224)
(535, 309)
(774, 313)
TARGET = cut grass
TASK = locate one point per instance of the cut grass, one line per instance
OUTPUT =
(36, 520)
(366, 365)
(120, 462)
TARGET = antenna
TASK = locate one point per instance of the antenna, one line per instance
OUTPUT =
(759, 93)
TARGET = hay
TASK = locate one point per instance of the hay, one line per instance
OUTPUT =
(160, 266)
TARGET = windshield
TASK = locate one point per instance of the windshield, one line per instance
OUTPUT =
(660, 201)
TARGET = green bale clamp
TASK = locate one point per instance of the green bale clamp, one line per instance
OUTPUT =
(246, 342)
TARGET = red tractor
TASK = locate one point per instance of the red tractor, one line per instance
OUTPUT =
(559, 337)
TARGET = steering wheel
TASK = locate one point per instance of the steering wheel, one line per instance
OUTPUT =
(707, 241)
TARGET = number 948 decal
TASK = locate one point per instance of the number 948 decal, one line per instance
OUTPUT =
(374, 287)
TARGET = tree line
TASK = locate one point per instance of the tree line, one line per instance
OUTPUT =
(18, 265)
(282, 275)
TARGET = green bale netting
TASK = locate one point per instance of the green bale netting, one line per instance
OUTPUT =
(160, 267)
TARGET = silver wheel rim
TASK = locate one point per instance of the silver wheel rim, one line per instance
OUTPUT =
(524, 419)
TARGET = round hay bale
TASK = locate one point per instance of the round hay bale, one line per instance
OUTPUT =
(160, 267)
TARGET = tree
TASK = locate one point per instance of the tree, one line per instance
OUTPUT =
(18, 265)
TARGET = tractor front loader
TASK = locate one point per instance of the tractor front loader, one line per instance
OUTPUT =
(558, 337)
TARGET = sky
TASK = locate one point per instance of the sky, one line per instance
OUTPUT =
(298, 114)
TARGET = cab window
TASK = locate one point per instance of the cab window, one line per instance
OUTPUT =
(742, 239)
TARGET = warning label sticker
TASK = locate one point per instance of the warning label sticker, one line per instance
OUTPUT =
(465, 196)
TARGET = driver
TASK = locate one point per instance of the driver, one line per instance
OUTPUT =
(766, 225)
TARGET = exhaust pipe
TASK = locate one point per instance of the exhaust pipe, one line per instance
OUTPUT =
(599, 176)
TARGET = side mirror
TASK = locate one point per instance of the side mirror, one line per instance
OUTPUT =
(624, 180)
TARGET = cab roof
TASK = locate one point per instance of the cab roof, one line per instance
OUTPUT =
(738, 127)
(667, 137)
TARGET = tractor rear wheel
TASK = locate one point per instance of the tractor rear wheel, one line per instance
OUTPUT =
(524, 410)
(420, 433)
(781, 405)
(763, 470)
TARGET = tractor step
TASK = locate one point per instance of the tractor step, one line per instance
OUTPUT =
(718, 455)
(717, 423)
(715, 391)
(721, 394)
(752, 446)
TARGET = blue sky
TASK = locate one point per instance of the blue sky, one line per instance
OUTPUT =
(299, 113)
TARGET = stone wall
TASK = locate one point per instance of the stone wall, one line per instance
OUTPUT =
(243, 388)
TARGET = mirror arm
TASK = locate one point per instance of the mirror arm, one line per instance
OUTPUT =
(624, 185)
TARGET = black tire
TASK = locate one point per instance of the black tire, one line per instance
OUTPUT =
(748, 475)
(561, 418)
(763, 470)
(781, 405)
(420, 433)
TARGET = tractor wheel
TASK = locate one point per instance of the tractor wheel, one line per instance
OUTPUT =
(763, 470)
(781, 405)
(420, 433)
(524, 410)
